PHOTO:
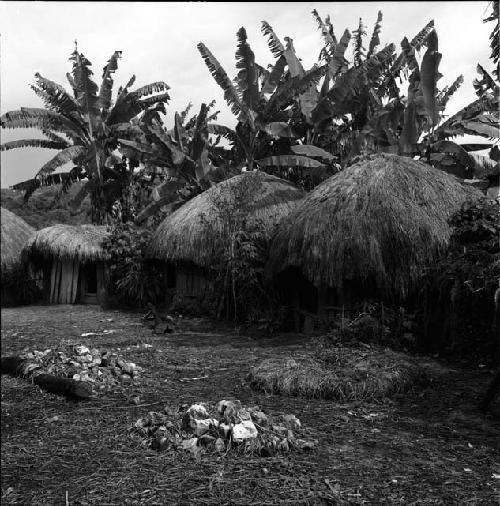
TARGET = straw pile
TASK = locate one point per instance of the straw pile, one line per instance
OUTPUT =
(15, 234)
(377, 224)
(193, 232)
(342, 374)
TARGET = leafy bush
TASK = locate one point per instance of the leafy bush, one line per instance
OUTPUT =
(239, 287)
(19, 286)
(460, 314)
(134, 281)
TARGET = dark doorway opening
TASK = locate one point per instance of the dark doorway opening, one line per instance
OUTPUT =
(90, 274)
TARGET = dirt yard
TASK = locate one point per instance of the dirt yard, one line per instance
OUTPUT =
(427, 447)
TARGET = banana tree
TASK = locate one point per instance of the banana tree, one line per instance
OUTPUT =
(261, 98)
(350, 93)
(184, 155)
(84, 127)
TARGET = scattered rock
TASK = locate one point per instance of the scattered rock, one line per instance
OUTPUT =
(205, 427)
(291, 421)
(188, 444)
(243, 431)
(160, 443)
(219, 445)
(259, 418)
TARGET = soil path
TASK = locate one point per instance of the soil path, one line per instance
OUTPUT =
(427, 447)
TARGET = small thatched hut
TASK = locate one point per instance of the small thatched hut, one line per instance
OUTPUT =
(73, 262)
(15, 234)
(189, 240)
(366, 232)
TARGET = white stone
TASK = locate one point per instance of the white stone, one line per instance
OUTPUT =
(200, 427)
(259, 418)
(243, 431)
(198, 411)
(189, 444)
(292, 422)
(225, 430)
(81, 350)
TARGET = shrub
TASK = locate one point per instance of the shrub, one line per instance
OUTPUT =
(134, 281)
(19, 286)
(459, 313)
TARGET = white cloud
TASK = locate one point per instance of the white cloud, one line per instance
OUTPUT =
(159, 40)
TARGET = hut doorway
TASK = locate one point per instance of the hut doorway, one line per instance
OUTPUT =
(91, 282)
(88, 281)
(300, 298)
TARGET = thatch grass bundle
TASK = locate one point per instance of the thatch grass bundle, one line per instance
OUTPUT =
(377, 223)
(345, 374)
(15, 234)
(194, 232)
(79, 242)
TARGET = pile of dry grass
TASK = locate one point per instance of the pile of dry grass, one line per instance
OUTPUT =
(377, 223)
(342, 374)
(15, 234)
(80, 242)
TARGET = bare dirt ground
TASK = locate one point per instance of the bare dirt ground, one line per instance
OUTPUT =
(427, 447)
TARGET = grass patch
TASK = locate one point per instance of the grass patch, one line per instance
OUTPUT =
(342, 373)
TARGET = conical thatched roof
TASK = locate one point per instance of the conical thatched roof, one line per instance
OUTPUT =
(378, 223)
(194, 231)
(80, 242)
(15, 233)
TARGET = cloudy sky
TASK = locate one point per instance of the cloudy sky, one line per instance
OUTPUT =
(159, 40)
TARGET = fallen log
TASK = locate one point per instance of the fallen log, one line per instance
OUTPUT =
(492, 391)
(69, 388)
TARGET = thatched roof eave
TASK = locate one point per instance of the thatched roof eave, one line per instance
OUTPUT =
(73, 242)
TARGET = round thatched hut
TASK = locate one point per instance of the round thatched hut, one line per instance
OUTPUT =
(368, 231)
(189, 240)
(72, 260)
(15, 233)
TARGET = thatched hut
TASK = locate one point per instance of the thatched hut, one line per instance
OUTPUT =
(72, 260)
(15, 234)
(189, 240)
(366, 232)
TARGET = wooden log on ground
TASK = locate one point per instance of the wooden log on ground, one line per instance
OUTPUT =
(12, 365)
(492, 391)
(70, 388)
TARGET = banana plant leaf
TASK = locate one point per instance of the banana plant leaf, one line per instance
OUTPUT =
(279, 129)
(312, 151)
(429, 76)
(460, 153)
(289, 161)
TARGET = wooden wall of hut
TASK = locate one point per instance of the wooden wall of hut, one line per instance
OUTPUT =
(69, 282)
(191, 281)
(64, 281)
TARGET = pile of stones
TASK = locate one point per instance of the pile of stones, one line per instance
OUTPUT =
(102, 369)
(220, 428)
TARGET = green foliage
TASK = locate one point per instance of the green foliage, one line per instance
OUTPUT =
(240, 288)
(134, 281)
(48, 206)
(19, 286)
(460, 301)
(90, 124)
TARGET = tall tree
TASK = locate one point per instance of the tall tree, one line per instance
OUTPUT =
(84, 126)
